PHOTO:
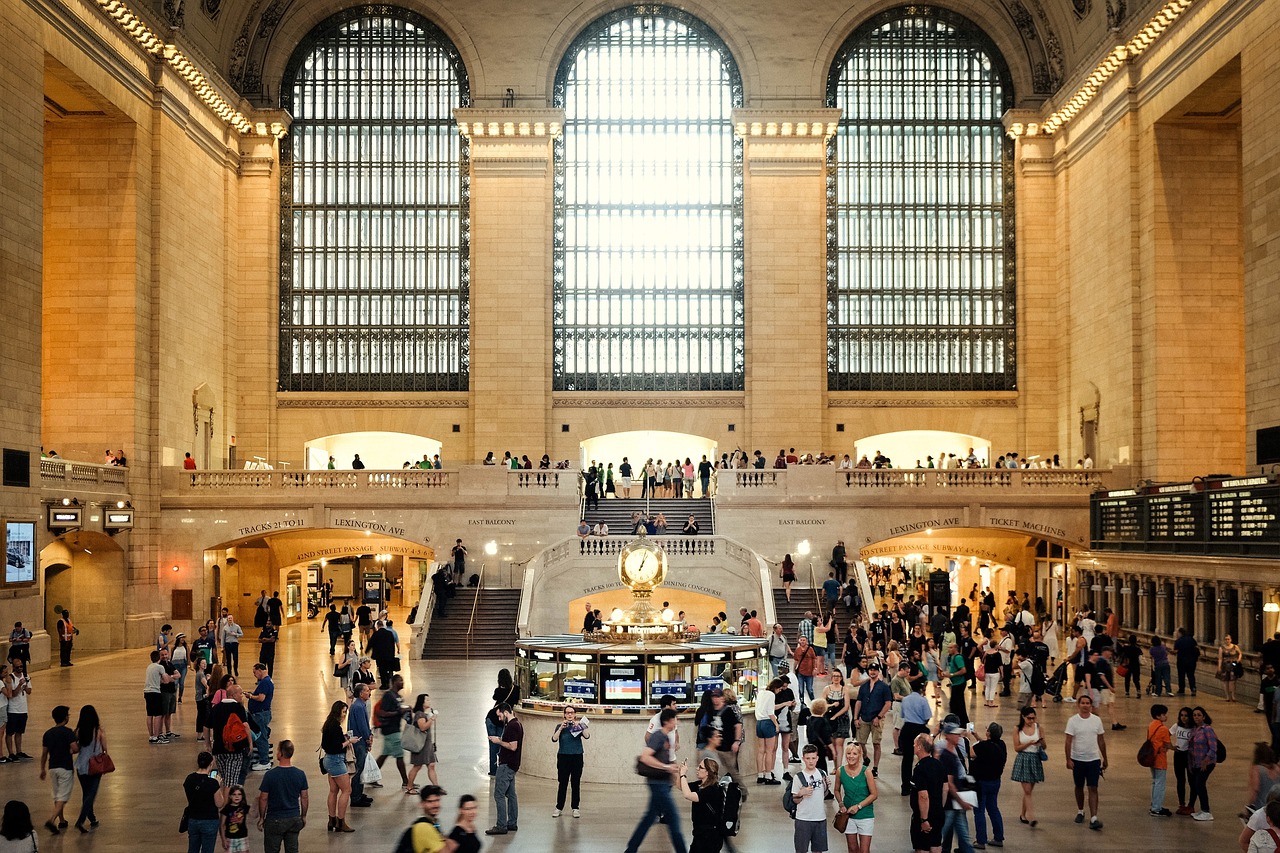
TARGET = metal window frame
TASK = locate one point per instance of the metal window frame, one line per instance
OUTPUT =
(879, 338)
(455, 337)
(673, 337)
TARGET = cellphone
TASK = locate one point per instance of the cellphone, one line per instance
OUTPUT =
(213, 774)
(969, 727)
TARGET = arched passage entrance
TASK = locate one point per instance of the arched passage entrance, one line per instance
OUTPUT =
(639, 445)
(380, 451)
(84, 572)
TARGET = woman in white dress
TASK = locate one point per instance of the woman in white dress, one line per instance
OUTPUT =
(1049, 633)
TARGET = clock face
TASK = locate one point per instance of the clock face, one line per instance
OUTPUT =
(641, 565)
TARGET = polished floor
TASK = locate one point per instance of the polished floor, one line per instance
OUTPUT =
(141, 803)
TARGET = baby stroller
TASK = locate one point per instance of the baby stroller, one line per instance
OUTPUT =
(1053, 687)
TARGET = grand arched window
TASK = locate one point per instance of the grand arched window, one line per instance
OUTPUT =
(920, 195)
(647, 260)
(374, 208)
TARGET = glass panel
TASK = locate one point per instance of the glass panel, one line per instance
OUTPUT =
(647, 262)
(920, 241)
(374, 209)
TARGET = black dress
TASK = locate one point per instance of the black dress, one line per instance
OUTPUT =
(468, 842)
(707, 835)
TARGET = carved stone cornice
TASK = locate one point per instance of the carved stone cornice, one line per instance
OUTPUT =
(765, 125)
(477, 123)
(922, 402)
(649, 401)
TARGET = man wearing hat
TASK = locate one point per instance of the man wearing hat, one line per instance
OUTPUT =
(960, 795)
(728, 720)
(874, 700)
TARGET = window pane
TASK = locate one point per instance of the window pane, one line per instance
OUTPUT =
(374, 209)
(921, 279)
(648, 208)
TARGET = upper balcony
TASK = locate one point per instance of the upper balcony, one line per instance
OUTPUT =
(937, 484)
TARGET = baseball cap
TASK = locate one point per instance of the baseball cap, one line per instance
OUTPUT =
(952, 728)
(716, 691)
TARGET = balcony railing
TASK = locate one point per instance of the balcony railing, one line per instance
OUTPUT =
(62, 474)
(826, 478)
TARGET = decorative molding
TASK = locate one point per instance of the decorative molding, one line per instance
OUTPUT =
(371, 403)
(509, 122)
(257, 167)
(922, 402)
(757, 124)
(793, 167)
(709, 401)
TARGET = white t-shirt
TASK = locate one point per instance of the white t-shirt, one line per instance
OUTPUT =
(814, 806)
(1087, 629)
(18, 701)
(766, 703)
(1261, 842)
(1084, 737)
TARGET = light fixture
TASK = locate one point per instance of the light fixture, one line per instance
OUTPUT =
(175, 567)
(803, 548)
(491, 547)
(1271, 607)
(124, 504)
(616, 614)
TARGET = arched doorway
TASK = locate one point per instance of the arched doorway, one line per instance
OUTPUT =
(84, 572)
(913, 448)
(380, 451)
(639, 445)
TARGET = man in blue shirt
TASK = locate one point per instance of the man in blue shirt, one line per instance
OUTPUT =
(831, 589)
(358, 723)
(916, 714)
(260, 715)
(874, 700)
(282, 803)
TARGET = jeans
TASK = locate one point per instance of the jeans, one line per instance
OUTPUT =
(1161, 674)
(1158, 778)
(231, 652)
(660, 803)
(1180, 773)
(958, 706)
(988, 804)
(283, 829)
(1200, 786)
(202, 835)
(775, 664)
(492, 731)
(361, 749)
(1133, 678)
(89, 789)
(182, 677)
(1186, 672)
(504, 791)
(956, 823)
(262, 740)
(569, 774)
(806, 685)
(831, 656)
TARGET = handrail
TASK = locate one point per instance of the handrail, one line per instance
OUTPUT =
(475, 603)
(817, 593)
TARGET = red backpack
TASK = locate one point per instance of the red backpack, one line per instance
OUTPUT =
(234, 732)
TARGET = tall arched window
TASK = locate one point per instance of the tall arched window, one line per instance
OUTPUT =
(647, 263)
(374, 261)
(920, 192)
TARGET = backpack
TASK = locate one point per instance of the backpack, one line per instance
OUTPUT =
(1147, 754)
(730, 810)
(417, 837)
(234, 731)
(788, 800)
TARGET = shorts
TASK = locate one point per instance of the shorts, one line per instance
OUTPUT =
(170, 703)
(875, 730)
(921, 840)
(811, 833)
(155, 704)
(1086, 773)
(4, 716)
(62, 779)
(391, 745)
(335, 765)
(17, 723)
(1106, 696)
(866, 827)
(626, 482)
(237, 845)
(766, 729)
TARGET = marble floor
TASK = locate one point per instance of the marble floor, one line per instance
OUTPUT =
(140, 804)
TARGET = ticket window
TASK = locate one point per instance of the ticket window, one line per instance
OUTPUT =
(579, 676)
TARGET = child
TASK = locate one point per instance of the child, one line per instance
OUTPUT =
(1161, 742)
(235, 822)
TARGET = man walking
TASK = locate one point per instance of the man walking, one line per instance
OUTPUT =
(955, 821)
(66, 634)
(358, 722)
(1086, 751)
(510, 744)
(916, 714)
(1187, 652)
(267, 640)
(283, 802)
(230, 639)
(260, 714)
(56, 759)
(928, 783)
(424, 833)
(874, 700)
(657, 757)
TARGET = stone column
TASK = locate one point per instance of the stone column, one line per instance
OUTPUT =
(1222, 624)
(1144, 621)
(1245, 621)
(511, 299)
(1202, 616)
(785, 201)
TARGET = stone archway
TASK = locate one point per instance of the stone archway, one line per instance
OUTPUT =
(85, 573)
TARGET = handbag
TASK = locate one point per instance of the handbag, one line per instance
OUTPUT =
(101, 764)
(841, 822)
(1042, 755)
(182, 824)
(413, 738)
(1122, 671)
(649, 771)
(339, 671)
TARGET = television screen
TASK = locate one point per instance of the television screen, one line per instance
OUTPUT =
(624, 684)
(20, 552)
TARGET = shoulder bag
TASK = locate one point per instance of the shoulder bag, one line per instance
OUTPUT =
(842, 818)
(413, 738)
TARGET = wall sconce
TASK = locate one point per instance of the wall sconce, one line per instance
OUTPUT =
(71, 502)
(491, 547)
(1271, 607)
(803, 548)
(175, 567)
(124, 504)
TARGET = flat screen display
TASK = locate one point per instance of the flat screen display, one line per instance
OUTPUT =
(580, 688)
(624, 685)
(20, 552)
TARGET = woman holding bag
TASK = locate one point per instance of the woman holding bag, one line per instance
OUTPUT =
(93, 745)
(419, 740)
(334, 742)
(858, 792)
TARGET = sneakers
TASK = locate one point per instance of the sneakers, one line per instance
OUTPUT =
(496, 830)
(770, 780)
(1079, 817)
(1118, 727)
(1095, 824)
(1202, 816)
(171, 735)
(1183, 810)
(22, 756)
(157, 741)
(258, 766)
(1160, 813)
(577, 813)
(555, 813)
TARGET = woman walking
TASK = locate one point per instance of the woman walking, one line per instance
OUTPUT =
(933, 670)
(334, 743)
(1181, 734)
(1264, 773)
(17, 835)
(989, 758)
(181, 659)
(788, 575)
(201, 676)
(991, 662)
(93, 742)
(424, 720)
(838, 708)
(708, 804)
(958, 672)
(568, 737)
(463, 837)
(767, 732)
(1130, 657)
(347, 667)
(1028, 768)
(858, 794)
(1229, 666)
(1203, 758)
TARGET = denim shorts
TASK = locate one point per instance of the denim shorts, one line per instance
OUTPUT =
(335, 765)
(766, 729)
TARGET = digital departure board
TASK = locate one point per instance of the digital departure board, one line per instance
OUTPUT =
(1172, 518)
(1228, 517)
(1120, 518)
(1245, 515)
